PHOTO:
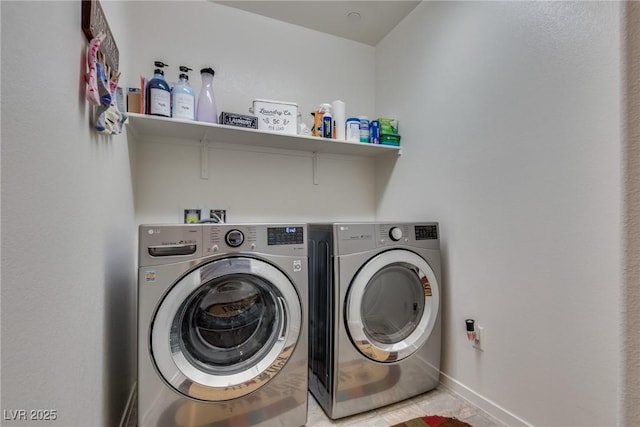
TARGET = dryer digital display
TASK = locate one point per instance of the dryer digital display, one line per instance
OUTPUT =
(285, 236)
(426, 232)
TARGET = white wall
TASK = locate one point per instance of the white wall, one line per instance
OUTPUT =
(253, 185)
(254, 57)
(68, 277)
(630, 372)
(510, 118)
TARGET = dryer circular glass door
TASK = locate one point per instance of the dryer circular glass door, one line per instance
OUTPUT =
(226, 328)
(392, 305)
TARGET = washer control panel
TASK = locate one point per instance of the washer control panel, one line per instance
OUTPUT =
(234, 238)
(276, 239)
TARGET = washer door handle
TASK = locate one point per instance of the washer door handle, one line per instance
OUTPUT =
(172, 250)
(283, 332)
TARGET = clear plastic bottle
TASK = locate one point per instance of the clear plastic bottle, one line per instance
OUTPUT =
(158, 93)
(207, 110)
(183, 98)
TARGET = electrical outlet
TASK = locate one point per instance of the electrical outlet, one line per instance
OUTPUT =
(191, 216)
(481, 336)
(218, 214)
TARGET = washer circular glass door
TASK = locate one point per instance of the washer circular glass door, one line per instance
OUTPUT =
(392, 305)
(226, 328)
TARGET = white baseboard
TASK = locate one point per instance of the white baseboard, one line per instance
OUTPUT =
(126, 420)
(491, 408)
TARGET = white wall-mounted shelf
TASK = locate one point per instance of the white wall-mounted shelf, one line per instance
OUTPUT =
(153, 126)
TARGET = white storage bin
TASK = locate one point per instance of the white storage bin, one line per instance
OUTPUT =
(276, 116)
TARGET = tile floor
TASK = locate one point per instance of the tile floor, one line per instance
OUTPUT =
(435, 402)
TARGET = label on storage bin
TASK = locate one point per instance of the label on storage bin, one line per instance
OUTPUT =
(160, 102)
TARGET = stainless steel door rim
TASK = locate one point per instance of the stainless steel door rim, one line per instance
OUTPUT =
(391, 352)
(186, 377)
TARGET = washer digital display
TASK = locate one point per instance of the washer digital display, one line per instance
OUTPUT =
(285, 236)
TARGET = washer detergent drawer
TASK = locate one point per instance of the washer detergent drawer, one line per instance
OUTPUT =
(165, 244)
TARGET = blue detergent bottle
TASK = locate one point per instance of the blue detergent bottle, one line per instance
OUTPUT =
(158, 93)
(183, 98)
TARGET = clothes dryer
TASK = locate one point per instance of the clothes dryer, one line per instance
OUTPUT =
(375, 333)
(222, 329)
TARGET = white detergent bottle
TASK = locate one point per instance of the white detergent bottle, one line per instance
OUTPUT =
(207, 110)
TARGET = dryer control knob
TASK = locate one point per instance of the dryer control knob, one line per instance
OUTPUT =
(395, 233)
(234, 238)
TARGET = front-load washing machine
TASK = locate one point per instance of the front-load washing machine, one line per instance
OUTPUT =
(222, 325)
(374, 319)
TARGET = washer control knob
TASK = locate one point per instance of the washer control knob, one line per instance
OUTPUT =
(234, 238)
(395, 233)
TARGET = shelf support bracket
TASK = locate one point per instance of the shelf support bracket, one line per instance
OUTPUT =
(316, 177)
(204, 159)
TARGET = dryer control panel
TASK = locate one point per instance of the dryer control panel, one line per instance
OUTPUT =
(392, 233)
(423, 235)
(359, 237)
(426, 232)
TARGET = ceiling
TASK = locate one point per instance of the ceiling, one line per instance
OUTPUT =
(376, 18)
